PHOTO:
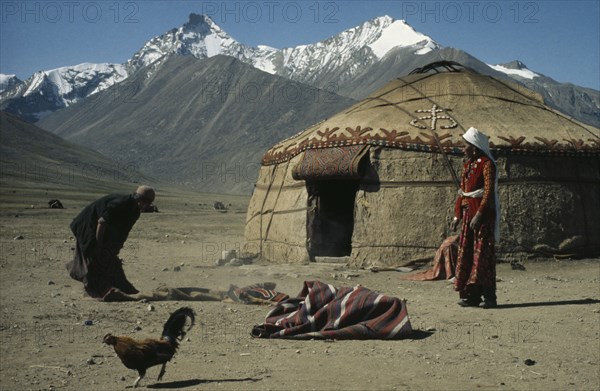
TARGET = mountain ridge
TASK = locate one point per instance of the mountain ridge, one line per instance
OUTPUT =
(201, 123)
(339, 63)
(32, 156)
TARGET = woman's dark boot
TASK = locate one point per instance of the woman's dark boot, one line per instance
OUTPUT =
(489, 298)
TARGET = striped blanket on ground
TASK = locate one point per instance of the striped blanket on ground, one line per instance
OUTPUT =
(324, 312)
(263, 293)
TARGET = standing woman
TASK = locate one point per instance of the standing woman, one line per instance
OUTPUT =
(477, 212)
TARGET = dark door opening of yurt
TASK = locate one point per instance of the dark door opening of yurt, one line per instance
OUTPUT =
(330, 220)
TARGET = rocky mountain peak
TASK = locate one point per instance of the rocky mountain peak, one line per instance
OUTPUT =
(8, 81)
(198, 20)
(515, 64)
(202, 25)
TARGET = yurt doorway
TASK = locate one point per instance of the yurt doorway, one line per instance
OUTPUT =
(330, 220)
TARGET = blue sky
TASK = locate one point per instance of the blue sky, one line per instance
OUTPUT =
(560, 39)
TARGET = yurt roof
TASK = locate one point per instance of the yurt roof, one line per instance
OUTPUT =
(432, 107)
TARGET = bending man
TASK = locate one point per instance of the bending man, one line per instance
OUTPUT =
(101, 229)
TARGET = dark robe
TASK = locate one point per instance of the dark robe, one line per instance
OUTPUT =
(102, 270)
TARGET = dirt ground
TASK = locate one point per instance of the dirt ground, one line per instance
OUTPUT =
(549, 315)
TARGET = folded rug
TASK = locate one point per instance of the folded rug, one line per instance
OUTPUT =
(323, 311)
(444, 263)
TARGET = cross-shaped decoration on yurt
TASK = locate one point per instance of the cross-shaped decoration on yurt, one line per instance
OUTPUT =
(434, 117)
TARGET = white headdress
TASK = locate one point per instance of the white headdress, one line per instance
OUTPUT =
(480, 140)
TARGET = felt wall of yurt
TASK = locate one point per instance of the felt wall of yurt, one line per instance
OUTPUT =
(402, 148)
(276, 221)
(403, 208)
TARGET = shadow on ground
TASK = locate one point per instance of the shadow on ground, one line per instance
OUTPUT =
(549, 303)
(195, 382)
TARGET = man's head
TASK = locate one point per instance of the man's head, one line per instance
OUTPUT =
(144, 195)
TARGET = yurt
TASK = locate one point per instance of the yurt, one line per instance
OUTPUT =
(376, 183)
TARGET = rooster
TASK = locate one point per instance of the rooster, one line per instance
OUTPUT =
(143, 354)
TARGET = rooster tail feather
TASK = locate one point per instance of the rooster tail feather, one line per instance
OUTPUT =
(174, 326)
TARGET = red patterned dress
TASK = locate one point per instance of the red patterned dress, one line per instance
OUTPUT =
(476, 263)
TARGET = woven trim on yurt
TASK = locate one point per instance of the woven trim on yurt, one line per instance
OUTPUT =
(334, 138)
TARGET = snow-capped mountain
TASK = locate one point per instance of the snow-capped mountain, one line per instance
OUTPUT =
(342, 56)
(352, 63)
(48, 91)
(353, 49)
(515, 68)
(579, 102)
(199, 37)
